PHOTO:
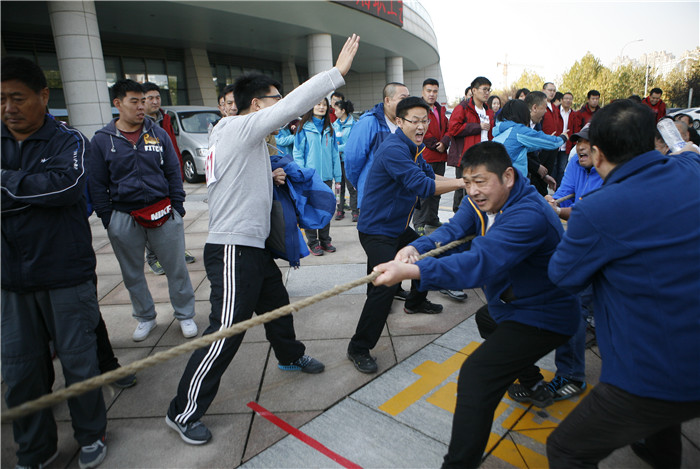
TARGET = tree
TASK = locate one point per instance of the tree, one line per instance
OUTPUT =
(530, 80)
(677, 84)
(584, 75)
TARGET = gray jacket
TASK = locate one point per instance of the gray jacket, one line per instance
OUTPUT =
(239, 175)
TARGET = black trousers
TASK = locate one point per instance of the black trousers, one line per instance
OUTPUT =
(243, 280)
(509, 350)
(459, 193)
(380, 249)
(610, 418)
(427, 214)
(351, 190)
(68, 316)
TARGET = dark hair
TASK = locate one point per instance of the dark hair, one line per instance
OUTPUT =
(123, 86)
(346, 106)
(390, 89)
(338, 94)
(431, 81)
(491, 98)
(24, 71)
(623, 130)
(535, 97)
(568, 92)
(478, 81)
(150, 86)
(558, 95)
(592, 93)
(406, 104)
(221, 96)
(524, 91)
(515, 110)
(635, 98)
(547, 83)
(250, 86)
(310, 114)
(229, 89)
(492, 155)
(678, 117)
(656, 91)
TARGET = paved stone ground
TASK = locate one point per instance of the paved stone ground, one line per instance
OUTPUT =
(400, 417)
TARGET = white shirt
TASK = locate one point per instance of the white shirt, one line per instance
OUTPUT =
(392, 125)
(491, 217)
(565, 115)
(484, 118)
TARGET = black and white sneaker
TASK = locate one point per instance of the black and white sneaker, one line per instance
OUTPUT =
(458, 295)
(541, 396)
(426, 307)
(306, 364)
(194, 433)
(401, 294)
(92, 455)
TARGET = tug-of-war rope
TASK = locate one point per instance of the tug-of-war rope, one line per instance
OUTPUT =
(82, 387)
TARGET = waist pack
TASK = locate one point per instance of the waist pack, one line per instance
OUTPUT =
(154, 215)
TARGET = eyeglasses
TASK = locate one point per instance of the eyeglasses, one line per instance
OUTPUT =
(276, 97)
(485, 90)
(424, 121)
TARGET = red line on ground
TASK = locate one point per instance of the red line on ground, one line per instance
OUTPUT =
(295, 432)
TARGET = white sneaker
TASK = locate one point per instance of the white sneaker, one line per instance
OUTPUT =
(189, 328)
(143, 329)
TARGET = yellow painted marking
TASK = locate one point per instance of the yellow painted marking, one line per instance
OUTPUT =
(532, 423)
(432, 375)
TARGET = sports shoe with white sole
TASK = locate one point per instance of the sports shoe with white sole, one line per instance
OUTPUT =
(92, 455)
(189, 328)
(143, 329)
(193, 433)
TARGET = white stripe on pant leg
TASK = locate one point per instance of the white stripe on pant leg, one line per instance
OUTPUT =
(227, 316)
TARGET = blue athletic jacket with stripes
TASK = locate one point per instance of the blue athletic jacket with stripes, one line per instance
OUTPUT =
(46, 238)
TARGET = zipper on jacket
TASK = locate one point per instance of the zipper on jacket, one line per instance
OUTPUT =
(410, 214)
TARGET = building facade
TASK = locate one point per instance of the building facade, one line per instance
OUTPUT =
(193, 49)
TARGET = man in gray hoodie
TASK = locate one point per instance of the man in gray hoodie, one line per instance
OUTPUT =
(244, 277)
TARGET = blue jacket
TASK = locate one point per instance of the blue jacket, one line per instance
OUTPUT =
(398, 176)
(46, 237)
(369, 132)
(520, 139)
(577, 180)
(637, 239)
(342, 132)
(128, 177)
(320, 152)
(285, 141)
(509, 261)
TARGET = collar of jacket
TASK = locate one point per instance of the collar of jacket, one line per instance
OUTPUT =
(413, 148)
(309, 126)
(638, 163)
(45, 132)
(111, 128)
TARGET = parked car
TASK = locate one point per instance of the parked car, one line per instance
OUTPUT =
(191, 126)
(693, 112)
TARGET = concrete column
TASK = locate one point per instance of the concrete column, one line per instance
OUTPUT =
(200, 83)
(320, 53)
(394, 69)
(79, 52)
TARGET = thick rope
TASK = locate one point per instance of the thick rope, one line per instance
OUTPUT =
(95, 382)
(566, 197)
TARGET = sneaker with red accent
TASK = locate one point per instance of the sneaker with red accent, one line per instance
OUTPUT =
(339, 215)
(328, 247)
(316, 250)
(355, 217)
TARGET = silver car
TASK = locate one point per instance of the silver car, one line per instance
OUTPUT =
(191, 127)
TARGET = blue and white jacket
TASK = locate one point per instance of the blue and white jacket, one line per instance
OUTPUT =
(369, 132)
(520, 139)
(285, 141)
(637, 240)
(342, 133)
(127, 177)
(509, 260)
(320, 152)
(398, 177)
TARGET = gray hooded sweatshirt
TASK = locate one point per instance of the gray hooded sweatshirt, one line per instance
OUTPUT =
(239, 174)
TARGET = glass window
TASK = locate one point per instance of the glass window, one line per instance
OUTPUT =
(49, 64)
(113, 69)
(198, 122)
(134, 68)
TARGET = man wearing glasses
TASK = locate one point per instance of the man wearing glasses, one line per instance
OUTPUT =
(398, 174)
(471, 122)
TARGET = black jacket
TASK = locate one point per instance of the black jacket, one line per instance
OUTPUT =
(46, 238)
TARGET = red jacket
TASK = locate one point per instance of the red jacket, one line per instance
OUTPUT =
(167, 125)
(552, 123)
(465, 128)
(659, 109)
(569, 127)
(583, 117)
(437, 132)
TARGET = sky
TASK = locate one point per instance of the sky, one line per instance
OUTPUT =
(548, 37)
